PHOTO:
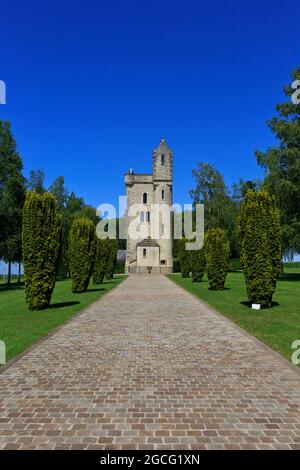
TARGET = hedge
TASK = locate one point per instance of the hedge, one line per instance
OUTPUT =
(102, 252)
(217, 251)
(41, 243)
(259, 235)
(81, 253)
(184, 258)
(198, 262)
(112, 257)
(176, 266)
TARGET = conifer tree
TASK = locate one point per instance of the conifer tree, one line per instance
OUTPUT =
(259, 234)
(41, 238)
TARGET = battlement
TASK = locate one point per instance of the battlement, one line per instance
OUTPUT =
(132, 178)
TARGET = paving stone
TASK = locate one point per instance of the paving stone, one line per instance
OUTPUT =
(149, 366)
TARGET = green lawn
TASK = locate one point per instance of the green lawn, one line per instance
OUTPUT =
(278, 326)
(19, 328)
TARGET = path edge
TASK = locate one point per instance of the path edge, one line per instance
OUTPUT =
(244, 332)
(40, 341)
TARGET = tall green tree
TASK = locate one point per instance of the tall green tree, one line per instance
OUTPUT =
(220, 210)
(12, 194)
(197, 260)
(71, 207)
(81, 253)
(184, 258)
(259, 234)
(217, 250)
(281, 164)
(102, 253)
(36, 181)
(60, 191)
(41, 246)
(112, 257)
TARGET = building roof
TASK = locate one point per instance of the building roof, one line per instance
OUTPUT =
(163, 146)
(148, 242)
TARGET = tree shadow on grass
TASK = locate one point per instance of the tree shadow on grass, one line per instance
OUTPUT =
(219, 290)
(290, 277)
(63, 304)
(248, 304)
(94, 290)
(14, 286)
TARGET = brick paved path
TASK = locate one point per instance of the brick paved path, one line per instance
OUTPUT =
(148, 366)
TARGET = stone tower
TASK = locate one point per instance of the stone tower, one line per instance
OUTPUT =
(151, 253)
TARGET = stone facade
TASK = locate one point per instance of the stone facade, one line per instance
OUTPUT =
(149, 198)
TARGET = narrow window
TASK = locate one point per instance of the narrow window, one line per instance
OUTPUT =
(163, 194)
(148, 217)
(145, 198)
(162, 159)
(142, 217)
(162, 229)
(144, 252)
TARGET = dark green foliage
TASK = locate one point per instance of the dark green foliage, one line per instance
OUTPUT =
(176, 266)
(41, 246)
(259, 234)
(120, 267)
(220, 208)
(281, 164)
(81, 253)
(197, 260)
(102, 253)
(71, 207)
(217, 250)
(235, 265)
(12, 195)
(112, 257)
(184, 258)
(36, 180)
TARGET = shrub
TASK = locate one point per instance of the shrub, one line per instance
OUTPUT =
(217, 250)
(184, 258)
(197, 261)
(112, 258)
(259, 235)
(81, 253)
(41, 240)
(120, 267)
(176, 266)
(101, 259)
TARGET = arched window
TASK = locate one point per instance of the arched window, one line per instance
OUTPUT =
(148, 216)
(163, 194)
(144, 252)
(142, 216)
(145, 198)
(162, 160)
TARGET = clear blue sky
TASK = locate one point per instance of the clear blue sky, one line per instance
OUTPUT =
(93, 85)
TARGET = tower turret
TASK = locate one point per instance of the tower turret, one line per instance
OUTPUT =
(162, 161)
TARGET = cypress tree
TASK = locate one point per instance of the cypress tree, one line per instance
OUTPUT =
(112, 257)
(184, 258)
(12, 196)
(41, 237)
(281, 165)
(217, 251)
(259, 235)
(197, 258)
(81, 253)
(101, 260)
